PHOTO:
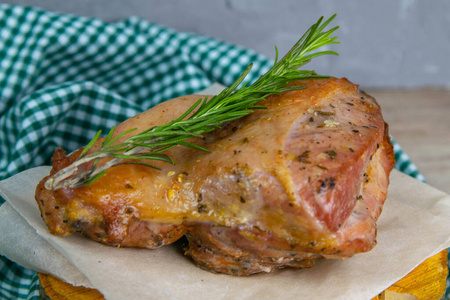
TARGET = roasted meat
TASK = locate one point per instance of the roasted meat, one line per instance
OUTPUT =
(303, 179)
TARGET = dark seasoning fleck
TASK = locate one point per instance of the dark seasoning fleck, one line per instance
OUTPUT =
(202, 208)
(322, 167)
(325, 113)
(304, 157)
(327, 183)
(331, 153)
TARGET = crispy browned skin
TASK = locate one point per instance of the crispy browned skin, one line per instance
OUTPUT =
(305, 178)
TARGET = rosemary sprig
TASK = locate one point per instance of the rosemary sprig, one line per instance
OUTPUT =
(203, 116)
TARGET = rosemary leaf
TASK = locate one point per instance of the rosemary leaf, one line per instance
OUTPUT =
(205, 115)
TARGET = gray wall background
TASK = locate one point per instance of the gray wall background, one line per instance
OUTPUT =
(384, 43)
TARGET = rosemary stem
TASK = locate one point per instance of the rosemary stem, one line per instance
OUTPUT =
(203, 116)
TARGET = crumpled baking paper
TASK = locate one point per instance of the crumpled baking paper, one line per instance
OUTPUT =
(414, 225)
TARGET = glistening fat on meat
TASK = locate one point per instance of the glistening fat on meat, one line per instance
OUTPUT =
(303, 179)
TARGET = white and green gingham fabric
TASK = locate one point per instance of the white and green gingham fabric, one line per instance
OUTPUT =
(64, 77)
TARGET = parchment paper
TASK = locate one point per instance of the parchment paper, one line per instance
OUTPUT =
(414, 225)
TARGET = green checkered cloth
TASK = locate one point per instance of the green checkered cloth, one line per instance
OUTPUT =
(64, 77)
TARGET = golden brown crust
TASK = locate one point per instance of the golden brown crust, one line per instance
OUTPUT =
(305, 178)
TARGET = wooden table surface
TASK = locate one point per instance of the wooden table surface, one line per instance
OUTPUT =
(419, 120)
